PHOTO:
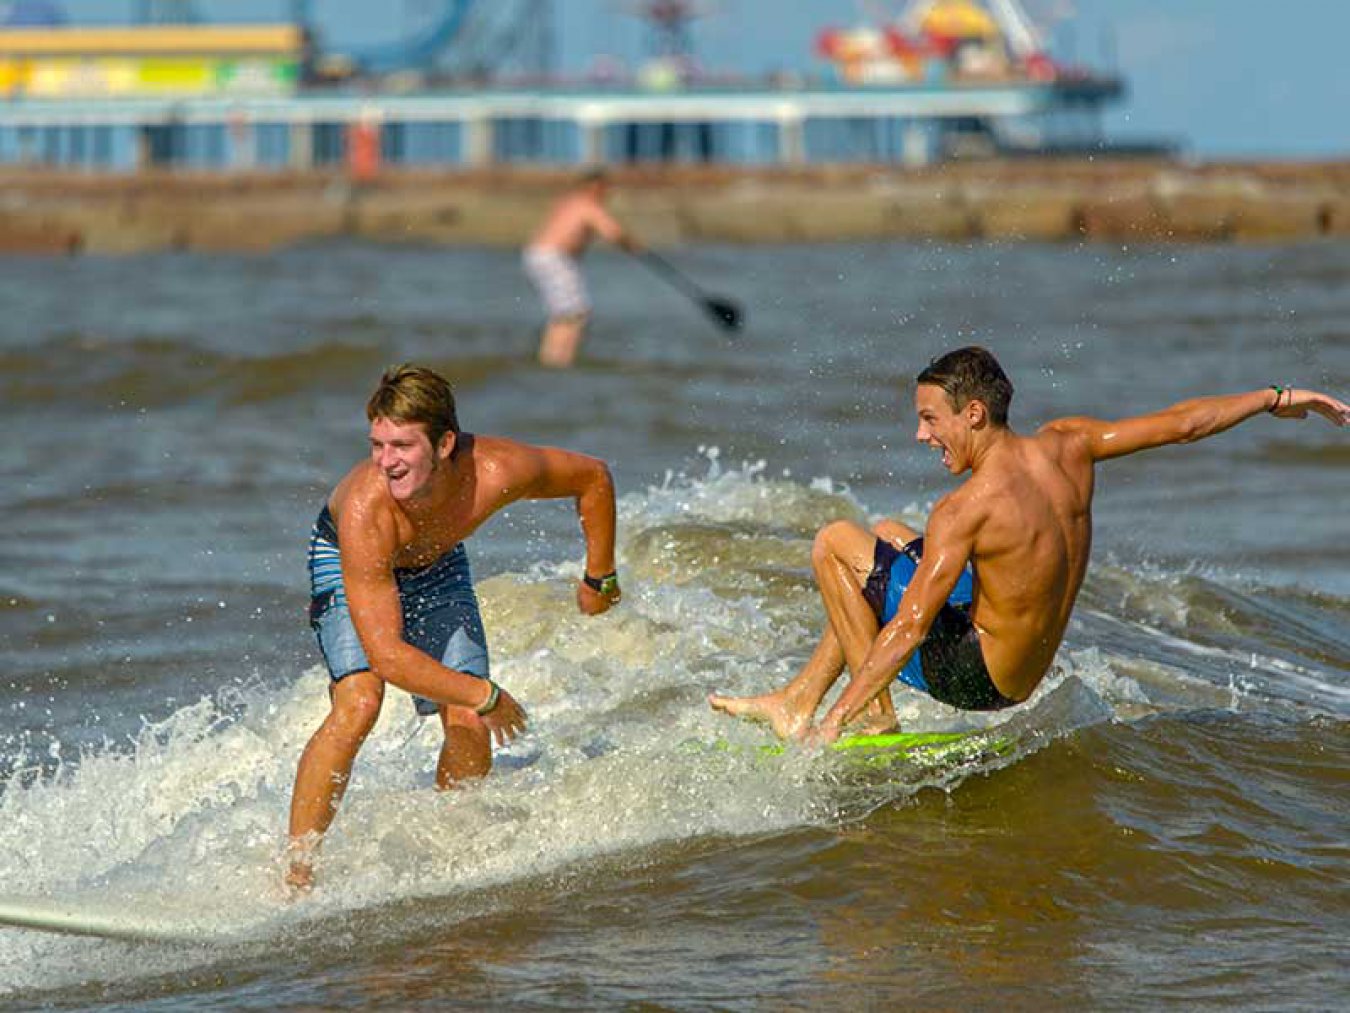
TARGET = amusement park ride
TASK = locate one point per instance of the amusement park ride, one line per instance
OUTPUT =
(486, 40)
(942, 40)
(476, 82)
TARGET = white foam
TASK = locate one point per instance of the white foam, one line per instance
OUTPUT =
(191, 815)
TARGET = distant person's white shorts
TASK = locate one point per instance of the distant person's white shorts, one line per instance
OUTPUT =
(558, 279)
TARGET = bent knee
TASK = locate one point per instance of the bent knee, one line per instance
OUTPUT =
(837, 538)
(355, 712)
(894, 532)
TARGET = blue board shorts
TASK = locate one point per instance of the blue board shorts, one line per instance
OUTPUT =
(440, 611)
(948, 665)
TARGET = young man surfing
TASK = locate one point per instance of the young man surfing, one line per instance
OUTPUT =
(972, 612)
(392, 598)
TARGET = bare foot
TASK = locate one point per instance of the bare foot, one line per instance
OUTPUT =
(300, 876)
(771, 709)
(880, 726)
(877, 719)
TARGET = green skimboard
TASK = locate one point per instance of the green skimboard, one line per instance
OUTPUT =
(925, 749)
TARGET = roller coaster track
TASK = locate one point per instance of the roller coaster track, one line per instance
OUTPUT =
(420, 50)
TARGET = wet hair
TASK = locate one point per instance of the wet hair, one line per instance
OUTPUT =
(971, 374)
(414, 394)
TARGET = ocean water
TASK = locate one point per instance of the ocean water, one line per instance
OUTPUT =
(1165, 823)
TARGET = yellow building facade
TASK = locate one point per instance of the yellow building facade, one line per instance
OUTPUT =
(150, 62)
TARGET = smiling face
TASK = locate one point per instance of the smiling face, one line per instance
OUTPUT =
(405, 457)
(951, 430)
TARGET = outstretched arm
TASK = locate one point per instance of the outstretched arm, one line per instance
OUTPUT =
(1197, 419)
(608, 226)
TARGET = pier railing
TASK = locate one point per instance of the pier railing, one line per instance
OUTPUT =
(912, 125)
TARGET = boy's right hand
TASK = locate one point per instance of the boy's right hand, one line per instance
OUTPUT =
(506, 720)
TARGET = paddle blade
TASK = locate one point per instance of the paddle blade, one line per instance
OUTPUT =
(725, 312)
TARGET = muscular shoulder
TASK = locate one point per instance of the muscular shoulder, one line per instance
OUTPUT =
(1069, 429)
(1069, 435)
(964, 509)
(508, 470)
(364, 510)
(505, 468)
(500, 455)
(360, 489)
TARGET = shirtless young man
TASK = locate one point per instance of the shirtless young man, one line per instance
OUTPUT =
(973, 612)
(551, 261)
(392, 598)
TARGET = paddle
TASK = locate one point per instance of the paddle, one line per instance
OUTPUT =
(724, 311)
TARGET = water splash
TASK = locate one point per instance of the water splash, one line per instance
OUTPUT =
(187, 815)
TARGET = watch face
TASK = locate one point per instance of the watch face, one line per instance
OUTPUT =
(609, 586)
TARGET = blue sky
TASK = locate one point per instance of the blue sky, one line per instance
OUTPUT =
(1227, 78)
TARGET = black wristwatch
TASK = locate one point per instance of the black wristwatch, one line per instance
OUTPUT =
(608, 585)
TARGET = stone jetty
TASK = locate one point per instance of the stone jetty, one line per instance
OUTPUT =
(1095, 201)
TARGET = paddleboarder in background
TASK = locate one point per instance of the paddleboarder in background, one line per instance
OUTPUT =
(973, 611)
(552, 261)
(392, 598)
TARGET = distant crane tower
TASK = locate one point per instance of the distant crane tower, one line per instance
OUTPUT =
(670, 23)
